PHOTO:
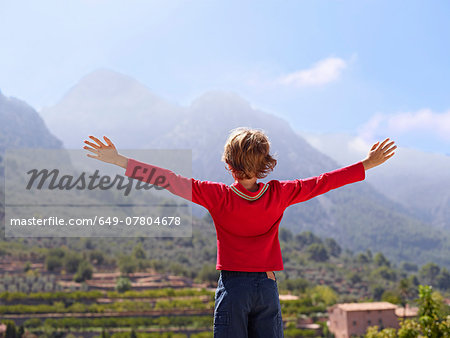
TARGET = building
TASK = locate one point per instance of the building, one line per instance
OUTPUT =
(406, 312)
(350, 319)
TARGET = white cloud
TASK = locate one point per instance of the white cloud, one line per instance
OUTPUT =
(359, 145)
(423, 121)
(322, 72)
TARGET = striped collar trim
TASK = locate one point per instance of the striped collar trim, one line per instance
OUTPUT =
(247, 196)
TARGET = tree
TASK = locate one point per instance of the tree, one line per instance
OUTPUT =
(380, 260)
(443, 280)
(362, 259)
(285, 234)
(324, 293)
(127, 265)
(409, 329)
(208, 273)
(410, 267)
(414, 280)
(391, 296)
(428, 273)
(88, 244)
(84, 272)
(333, 247)
(27, 267)
(96, 257)
(177, 269)
(71, 262)
(354, 277)
(405, 291)
(297, 284)
(377, 292)
(317, 252)
(123, 284)
(431, 322)
(306, 238)
(372, 332)
(57, 252)
(369, 255)
(53, 263)
(384, 272)
(138, 252)
(158, 265)
(428, 314)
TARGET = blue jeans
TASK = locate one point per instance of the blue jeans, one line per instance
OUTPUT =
(247, 304)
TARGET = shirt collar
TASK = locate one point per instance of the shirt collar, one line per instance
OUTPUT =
(239, 190)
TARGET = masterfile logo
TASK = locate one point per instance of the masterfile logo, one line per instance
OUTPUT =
(62, 181)
(63, 193)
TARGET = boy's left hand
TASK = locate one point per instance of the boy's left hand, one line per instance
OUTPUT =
(379, 153)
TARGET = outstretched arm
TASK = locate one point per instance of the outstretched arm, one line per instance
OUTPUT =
(302, 190)
(379, 153)
(204, 193)
(176, 184)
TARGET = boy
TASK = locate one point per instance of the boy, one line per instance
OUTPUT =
(247, 215)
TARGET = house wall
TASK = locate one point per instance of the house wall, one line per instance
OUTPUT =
(338, 323)
(359, 321)
(344, 324)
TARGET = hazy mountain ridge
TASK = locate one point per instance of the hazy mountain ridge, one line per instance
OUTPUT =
(21, 126)
(100, 104)
(356, 215)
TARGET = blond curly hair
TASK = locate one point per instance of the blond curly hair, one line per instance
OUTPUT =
(246, 151)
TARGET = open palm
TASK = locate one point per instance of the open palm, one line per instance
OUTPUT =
(105, 152)
(379, 153)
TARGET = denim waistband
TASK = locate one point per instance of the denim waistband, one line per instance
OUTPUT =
(243, 273)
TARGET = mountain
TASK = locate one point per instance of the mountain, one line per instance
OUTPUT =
(20, 127)
(358, 216)
(420, 181)
(110, 103)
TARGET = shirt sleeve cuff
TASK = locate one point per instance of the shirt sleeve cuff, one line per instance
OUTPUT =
(360, 172)
(130, 166)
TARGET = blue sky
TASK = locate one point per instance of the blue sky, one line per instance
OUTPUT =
(369, 68)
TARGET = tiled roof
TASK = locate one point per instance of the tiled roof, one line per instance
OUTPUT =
(407, 312)
(366, 306)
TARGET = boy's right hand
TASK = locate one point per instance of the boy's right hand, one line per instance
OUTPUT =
(379, 153)
(106, 152)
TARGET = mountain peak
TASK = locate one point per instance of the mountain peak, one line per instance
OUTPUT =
(105, 74)
(220, 96)
(107, 84)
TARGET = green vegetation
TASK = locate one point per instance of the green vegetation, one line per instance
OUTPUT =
(433, 320)
(317, 270)
(308, 261)
(124, 306)
(113, 322)
(123, 284)
(94, 294)
(84, 272)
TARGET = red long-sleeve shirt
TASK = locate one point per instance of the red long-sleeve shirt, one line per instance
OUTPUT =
(246, 222)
